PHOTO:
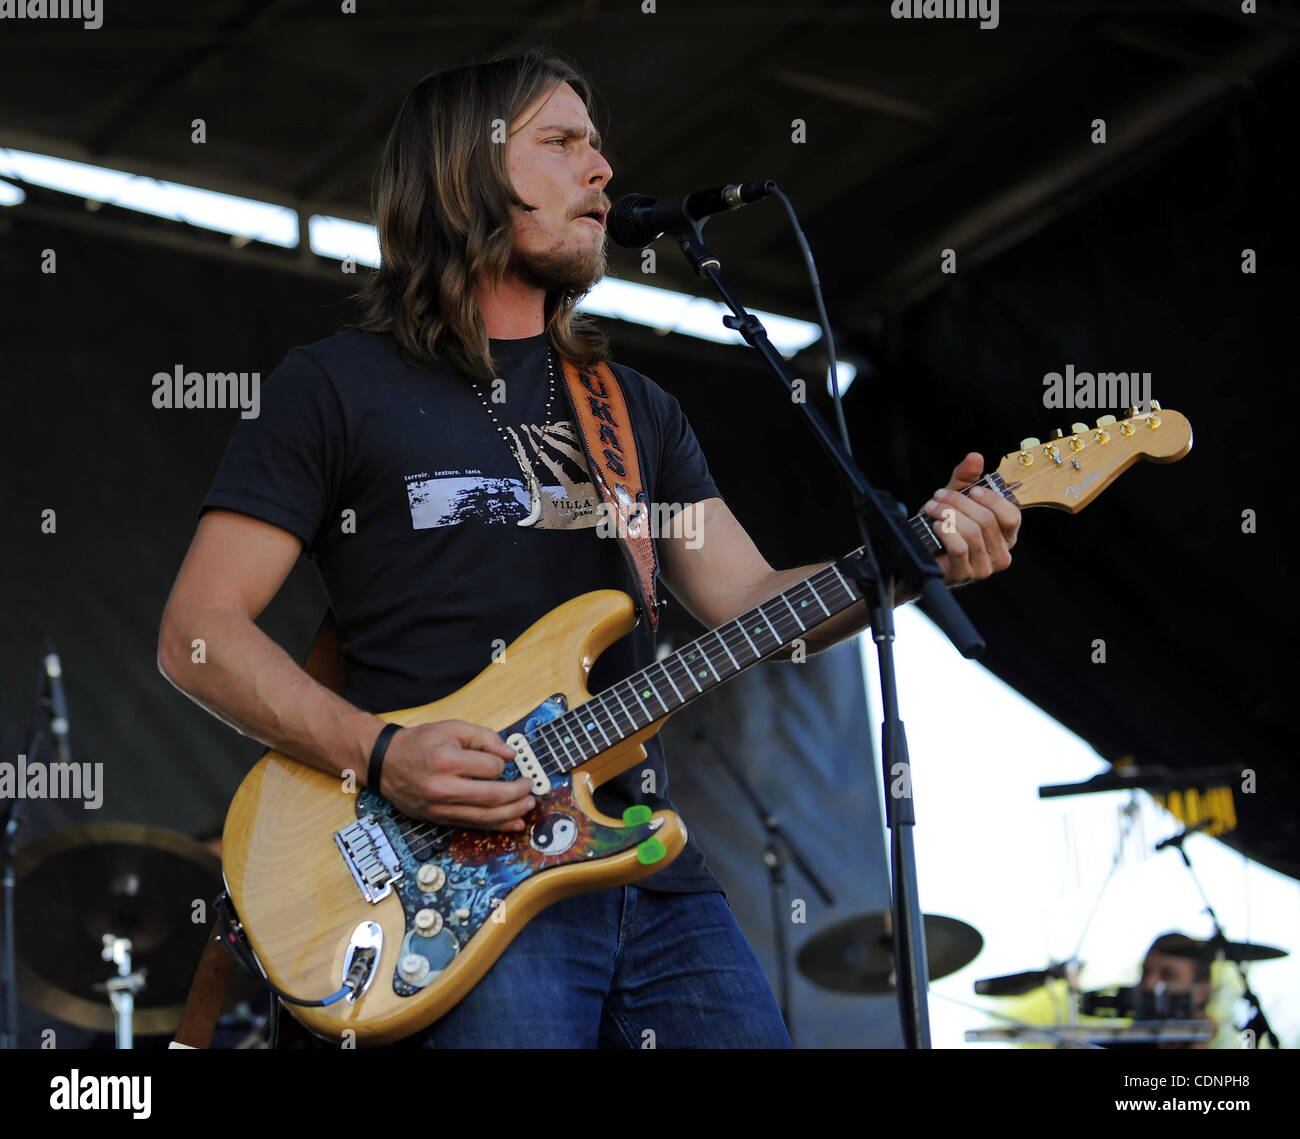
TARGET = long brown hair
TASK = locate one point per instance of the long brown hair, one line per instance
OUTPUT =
(442, 204)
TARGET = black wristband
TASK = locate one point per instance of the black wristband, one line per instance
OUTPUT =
(377, 755)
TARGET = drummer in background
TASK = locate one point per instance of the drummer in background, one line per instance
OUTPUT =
(1180, 964)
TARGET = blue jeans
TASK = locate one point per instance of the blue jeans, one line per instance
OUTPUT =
(620, 968)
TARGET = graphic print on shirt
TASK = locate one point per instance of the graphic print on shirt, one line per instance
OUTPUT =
(551, 453)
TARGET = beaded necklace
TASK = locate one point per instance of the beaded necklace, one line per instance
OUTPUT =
(534, 489)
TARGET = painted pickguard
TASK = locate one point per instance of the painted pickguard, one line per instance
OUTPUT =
(483, 867)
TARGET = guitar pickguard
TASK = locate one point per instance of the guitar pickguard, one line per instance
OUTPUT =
(468, 873)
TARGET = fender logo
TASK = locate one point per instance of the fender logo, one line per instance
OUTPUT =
(1072, 492)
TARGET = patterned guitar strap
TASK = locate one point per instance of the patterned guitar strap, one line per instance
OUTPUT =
(605, 429)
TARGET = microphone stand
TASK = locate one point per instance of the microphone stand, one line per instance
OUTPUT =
(1258, 1024)
(8, 834)
(772, 858)
(882, 521)
(36, 738)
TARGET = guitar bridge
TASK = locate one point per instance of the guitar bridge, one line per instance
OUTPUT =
(370, 856)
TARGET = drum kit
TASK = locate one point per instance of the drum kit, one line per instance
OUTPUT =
(856, 956)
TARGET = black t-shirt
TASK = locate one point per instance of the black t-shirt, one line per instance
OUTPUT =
(407, 498)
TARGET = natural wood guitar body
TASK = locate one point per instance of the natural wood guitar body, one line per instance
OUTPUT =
(300, 903)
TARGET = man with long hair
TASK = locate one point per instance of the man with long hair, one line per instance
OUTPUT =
(425, 462)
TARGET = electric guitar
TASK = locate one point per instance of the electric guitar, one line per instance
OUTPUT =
(393, 919)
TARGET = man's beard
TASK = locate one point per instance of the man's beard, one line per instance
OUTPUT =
(569, 268)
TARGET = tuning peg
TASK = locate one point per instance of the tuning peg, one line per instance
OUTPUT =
(1155, 405)
(1025, 444)
(1057, 433)
(1130, 413)
(1078, 427)
(1105, 421)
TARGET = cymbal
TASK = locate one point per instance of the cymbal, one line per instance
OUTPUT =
(76, 884)
(857, 955)
(1247, 951)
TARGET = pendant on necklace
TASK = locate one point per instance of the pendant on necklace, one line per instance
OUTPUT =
(534, 502)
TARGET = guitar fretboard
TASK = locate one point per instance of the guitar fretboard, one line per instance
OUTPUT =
(638, 701)
(923, 525)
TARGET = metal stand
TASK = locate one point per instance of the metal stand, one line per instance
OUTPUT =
(892, 555)
(1258, 1023)
(36, 740)
(122, 988)
(774, 860)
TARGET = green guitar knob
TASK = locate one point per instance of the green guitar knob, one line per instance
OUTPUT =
(650, 851)
(635, 816)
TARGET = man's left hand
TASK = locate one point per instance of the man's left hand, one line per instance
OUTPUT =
(977, 529)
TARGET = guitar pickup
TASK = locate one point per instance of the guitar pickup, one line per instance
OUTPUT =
(530, 767)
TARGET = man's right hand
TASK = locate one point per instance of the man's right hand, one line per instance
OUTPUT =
(448, 772)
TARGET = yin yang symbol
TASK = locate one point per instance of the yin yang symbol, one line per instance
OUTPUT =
(553, 833)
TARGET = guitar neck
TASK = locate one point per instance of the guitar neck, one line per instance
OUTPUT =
(923, 525)
(641, 699)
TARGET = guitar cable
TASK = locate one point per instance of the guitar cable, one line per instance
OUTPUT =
(233, 940)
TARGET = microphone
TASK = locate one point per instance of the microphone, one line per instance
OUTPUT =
(1018, 984)
(58, 703)
(1179, 839)
(635, 220)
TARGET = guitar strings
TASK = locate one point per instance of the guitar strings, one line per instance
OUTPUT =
(549, 733)
(591, 710)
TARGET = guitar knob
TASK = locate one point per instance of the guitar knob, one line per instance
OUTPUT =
(430, 877)
(428, 922)
(413, 967)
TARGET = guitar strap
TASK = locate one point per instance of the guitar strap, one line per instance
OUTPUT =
(605, 429)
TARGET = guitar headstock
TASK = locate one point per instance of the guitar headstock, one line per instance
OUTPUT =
(1069, 471)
